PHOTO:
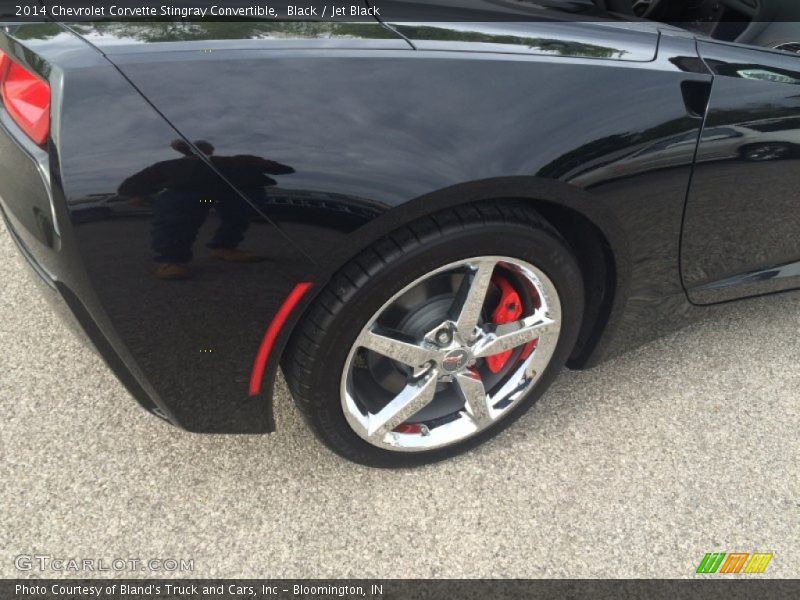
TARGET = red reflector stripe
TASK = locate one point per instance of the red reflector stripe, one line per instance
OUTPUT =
(26, 97)
(271, 335)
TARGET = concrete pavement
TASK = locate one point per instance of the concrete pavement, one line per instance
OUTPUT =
(634, 469)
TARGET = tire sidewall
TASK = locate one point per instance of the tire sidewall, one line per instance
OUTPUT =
(536, 246)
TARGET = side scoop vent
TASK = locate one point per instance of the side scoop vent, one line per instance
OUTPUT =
(793, 47)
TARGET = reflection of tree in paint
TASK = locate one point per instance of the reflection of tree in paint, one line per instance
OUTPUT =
(35, 31)
(169, 31)
(172, 31)
(558, 47)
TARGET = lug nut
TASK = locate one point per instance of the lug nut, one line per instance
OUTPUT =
(444, 337)
(427, 366)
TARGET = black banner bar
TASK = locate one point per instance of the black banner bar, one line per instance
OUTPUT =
(396, 589)
(369, 10)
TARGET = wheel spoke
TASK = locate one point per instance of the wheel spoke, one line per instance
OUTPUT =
(508, 336)
(473, 291)
(403, 352)
(414, 397)
(475, 398)
(436, 333)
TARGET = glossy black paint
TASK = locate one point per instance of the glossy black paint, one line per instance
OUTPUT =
(577, 40)
(188, 345)
(742, 233)
(545, 132)
(324, 140)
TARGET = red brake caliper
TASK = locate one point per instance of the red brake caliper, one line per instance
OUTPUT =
(508, 310)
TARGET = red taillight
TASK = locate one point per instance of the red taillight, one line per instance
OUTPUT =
(26, 97)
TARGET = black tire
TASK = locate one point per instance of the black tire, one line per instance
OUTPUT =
(767, 151)
(315, 359)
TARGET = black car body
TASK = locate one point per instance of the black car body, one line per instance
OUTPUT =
(664, 159)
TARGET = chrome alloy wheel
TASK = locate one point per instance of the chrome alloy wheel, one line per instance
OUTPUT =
(767, 152)
(434, 365)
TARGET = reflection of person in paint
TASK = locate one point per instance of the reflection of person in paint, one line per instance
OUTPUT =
(186, 189)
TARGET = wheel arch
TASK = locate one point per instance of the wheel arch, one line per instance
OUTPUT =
(587, 224)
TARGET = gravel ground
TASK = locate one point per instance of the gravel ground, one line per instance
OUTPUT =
(634, 469)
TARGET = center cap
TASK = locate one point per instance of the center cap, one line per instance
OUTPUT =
(455, 360)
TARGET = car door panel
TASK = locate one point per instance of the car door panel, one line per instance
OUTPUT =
(742, 226)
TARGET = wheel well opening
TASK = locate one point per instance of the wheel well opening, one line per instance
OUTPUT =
(597, 263)
(596, 259)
